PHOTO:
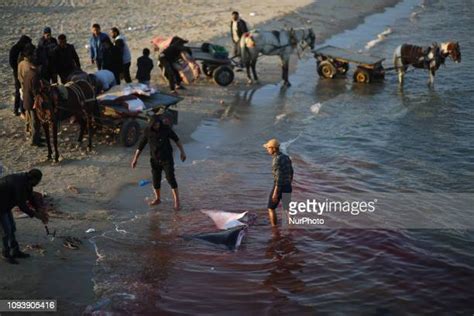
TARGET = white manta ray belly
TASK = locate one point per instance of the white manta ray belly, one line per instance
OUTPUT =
(225, 220)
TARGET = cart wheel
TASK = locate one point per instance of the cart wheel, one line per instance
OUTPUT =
(326, 69)
(223, 75)
(207, 70)
(362, 76)
(129, 133)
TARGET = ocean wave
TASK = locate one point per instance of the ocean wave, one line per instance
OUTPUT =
(280, 117)
(284, 145)
(315, 108)
(380, 38)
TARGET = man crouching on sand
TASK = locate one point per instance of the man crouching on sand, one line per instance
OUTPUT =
(161, 153)
(17, 190)
(282, 170)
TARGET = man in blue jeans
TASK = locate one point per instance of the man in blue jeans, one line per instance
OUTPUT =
(282, 170)
(95, 46)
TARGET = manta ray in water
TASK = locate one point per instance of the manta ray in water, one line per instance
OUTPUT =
(232, 229)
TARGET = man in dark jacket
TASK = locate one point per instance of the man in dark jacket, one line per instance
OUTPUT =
(237, 28)
(15, 52)
(161, 152)
(16, 190)
(66, 59)
(144, 67)
(120, 41)
(112, 58)
(169, 56)
(44, 55)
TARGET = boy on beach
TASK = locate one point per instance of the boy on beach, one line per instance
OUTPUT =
(161, 153)
(144, 67)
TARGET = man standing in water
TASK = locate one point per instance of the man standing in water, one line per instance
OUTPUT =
(282, 170)
(161, 152)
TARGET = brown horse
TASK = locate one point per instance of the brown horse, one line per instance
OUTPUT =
(430, 58)
(55, 103)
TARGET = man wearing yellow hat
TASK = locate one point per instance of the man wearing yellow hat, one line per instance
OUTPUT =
(282, 170)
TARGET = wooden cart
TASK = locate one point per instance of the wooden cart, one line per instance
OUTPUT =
(117, 119)
(219, 69)
(333, 61)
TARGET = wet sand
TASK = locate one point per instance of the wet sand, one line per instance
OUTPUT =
(67, 274)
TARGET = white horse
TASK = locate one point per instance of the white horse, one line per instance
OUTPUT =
(281, 43)
(424, 57)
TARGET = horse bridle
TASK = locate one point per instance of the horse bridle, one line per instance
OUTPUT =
(304, 41)
(40, 101)
(452, 52)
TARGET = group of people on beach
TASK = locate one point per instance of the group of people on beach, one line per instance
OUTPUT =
(52, 58)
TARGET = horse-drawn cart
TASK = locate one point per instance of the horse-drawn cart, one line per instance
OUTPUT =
(117, 118)
(215, 64)
(333, 61)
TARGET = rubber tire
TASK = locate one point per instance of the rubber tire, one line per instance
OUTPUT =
(326, 69)
(129, 133)
(223, 75)
(362, 76)
(207, 70)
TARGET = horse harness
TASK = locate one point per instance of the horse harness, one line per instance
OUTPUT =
(293, 41)
(64, 95)
(76, 89)
(422, 57)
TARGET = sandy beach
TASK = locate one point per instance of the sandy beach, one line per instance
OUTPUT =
(84, 185)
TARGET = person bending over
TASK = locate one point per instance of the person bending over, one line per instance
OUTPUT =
(17, 190)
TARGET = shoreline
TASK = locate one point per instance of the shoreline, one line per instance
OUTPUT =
(97, 176)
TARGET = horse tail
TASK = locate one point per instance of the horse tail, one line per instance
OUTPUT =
(244, 51)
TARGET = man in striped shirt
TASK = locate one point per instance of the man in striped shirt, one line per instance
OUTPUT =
(282, 170)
